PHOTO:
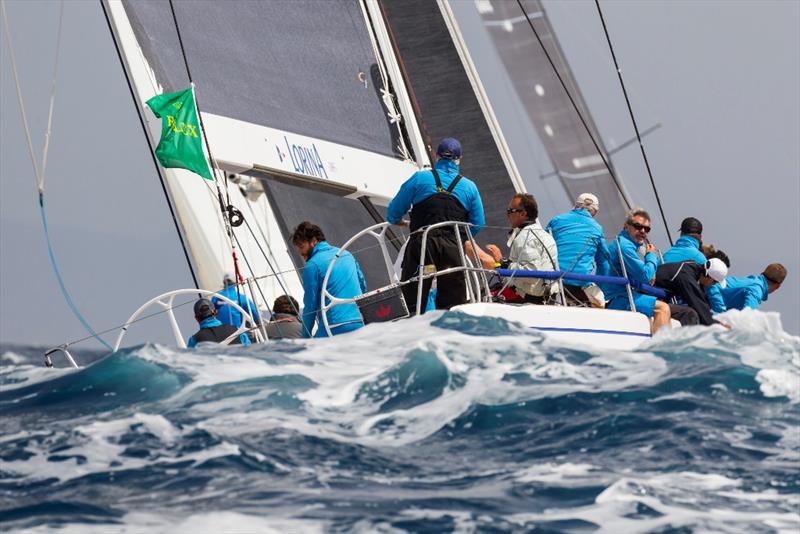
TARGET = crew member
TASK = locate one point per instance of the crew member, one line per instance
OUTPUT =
(632, 236)
(285, 323)
(211, 329)
(751, 291)
(687, 280)
(530, 248)
(581, 249)
(346, 281)
(226, 313)
(437, 195)
(687, 247)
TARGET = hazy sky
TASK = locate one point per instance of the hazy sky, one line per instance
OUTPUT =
(722, 77)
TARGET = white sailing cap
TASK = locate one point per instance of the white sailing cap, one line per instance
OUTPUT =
(228, 278)
(587, 201)
(716, 269)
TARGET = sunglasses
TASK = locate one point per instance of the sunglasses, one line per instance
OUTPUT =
(638, 226)
(509, 211)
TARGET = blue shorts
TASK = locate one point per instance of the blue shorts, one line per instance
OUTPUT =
(644, 303)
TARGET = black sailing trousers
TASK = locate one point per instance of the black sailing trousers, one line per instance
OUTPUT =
(442, 252)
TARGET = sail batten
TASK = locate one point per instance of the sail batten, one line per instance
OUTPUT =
(575, 159)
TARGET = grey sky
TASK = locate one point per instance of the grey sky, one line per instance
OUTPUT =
(723, 78)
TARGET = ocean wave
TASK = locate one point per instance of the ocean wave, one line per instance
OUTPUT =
(441, 422)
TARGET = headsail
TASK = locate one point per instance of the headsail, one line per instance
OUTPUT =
(572, 152)
(292, 95)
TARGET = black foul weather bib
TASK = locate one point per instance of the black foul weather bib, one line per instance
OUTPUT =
(441, 249)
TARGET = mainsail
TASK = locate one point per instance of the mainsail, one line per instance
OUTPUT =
(294, 102)
(308, 104)
(575, 158)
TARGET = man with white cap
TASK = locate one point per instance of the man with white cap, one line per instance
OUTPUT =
(686, 280)
(581, 249)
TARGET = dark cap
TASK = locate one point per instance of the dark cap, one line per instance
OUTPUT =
(775, 272)
(690, 225)
(203, 309)
(449, 148)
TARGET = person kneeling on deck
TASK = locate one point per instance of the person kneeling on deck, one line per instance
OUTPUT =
(530, 249)
(437, 195)
(687, 280)
(581, 249)
(211, 328)
(346, 281)
(285, 323)
(632, 236)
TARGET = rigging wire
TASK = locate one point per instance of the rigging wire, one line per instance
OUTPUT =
(152, 150)
(214, 167)
(39, 175)
(575, 107)
(633, 120)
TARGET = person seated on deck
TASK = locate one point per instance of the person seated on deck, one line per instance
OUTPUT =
(437, 195)
(750, 291)
(211, 329)
(285, 323)
(632, 236)
(530, 249)
(581, 249)
(687, 279)
(346, 281)
(688, 245)
(226, 313)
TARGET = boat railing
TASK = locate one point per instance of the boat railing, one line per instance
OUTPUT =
(476, 279)
(166, 301)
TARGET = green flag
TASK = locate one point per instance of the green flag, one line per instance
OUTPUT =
(181, 142)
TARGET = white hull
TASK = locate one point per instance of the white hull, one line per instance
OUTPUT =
(605, 329)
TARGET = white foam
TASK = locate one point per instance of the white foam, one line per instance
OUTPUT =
(215, 522)
(98, 444)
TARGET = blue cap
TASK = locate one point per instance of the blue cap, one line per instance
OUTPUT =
(449, 148)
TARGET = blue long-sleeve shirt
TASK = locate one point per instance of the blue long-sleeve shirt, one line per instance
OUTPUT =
(686, 248)
(744, 292)
(421, 185)
(581, 243)
(639, 270)
(346, 281)
(211, 322)
(230, 315)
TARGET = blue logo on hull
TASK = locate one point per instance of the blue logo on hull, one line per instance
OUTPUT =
(306, 160)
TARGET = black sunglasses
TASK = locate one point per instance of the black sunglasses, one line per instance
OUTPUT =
(640, 227)
(509, 211)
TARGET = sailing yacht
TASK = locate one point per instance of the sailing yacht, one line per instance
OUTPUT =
(319, 111)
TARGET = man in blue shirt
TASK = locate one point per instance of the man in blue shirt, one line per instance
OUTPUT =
(437, 195)
(687, 247)
(581, 249)
(346, 281)
(211, 329)
(634, 235)
(226, 313)
(749, 292)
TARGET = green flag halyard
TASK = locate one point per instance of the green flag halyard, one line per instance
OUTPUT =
(181, 142)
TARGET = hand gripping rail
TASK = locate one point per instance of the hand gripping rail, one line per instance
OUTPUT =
(477, 284)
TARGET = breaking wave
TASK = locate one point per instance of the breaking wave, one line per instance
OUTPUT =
(445, 422)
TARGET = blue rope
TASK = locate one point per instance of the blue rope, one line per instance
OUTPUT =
(64, 291)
